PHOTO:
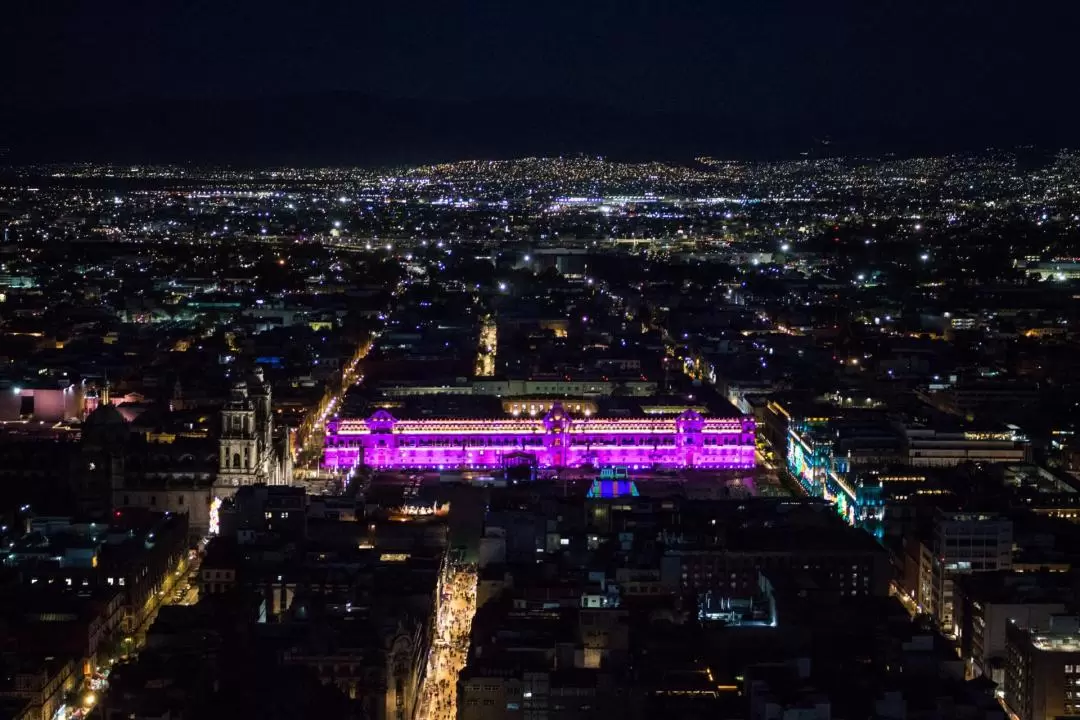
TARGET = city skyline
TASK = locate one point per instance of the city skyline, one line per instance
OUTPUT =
(544, 361)
(340, 427)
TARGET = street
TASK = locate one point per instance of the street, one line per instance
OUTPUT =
(309, 438)
(450, 645)
(178, 588)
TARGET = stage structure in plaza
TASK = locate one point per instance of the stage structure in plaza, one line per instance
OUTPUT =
(557, 439)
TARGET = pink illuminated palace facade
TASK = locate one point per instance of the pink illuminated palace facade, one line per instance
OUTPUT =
(556, 439)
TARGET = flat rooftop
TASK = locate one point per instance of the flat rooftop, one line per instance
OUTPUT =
(465, 406)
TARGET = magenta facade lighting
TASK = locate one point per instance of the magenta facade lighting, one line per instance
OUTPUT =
(554, 440)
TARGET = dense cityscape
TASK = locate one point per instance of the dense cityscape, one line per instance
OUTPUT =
(544, 438)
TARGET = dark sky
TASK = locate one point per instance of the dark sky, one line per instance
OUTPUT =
(1008, 67)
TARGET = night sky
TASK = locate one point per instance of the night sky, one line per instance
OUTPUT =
(760, 71)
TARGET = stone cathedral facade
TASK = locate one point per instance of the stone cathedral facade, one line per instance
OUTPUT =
(121, 465)
(248, 452)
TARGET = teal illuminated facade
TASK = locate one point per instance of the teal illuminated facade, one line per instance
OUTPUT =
(614, 482)
(809, 454)
(813, 462)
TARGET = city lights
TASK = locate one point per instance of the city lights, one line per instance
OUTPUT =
(479, 382)
(357, 362)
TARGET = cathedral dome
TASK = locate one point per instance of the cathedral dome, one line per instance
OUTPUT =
(105, 415)
(106, 426)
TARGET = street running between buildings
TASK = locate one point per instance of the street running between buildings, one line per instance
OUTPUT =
(450, 644)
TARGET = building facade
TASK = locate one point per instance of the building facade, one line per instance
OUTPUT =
(965, 542)
(985, 604)
(834, 457)
(557, 439)
(931, 448)
(120, 468)
(1042, 671)
(248, 453)
(43, 685)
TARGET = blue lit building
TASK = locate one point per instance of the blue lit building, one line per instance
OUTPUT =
(614, 482)
(822, 455)
(809, 453)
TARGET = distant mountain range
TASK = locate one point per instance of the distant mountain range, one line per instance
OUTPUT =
(351, 129)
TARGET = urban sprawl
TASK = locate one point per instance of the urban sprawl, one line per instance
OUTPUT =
(542, 438)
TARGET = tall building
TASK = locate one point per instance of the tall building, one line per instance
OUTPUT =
(120, 466)
(963, 542)
(247, 450)
(101, 466)
(240, 440)
(1042, 671)
(986, 603)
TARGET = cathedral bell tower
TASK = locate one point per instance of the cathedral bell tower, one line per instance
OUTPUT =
(101, 460)
(240, 459)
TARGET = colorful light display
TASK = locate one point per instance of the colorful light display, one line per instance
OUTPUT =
(808, 460)
(555, 440)
(811, 460)
(215, 516)
(612, 489)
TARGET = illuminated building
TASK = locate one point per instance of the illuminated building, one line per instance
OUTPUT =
(40, 687)
(1045, 491)
(1042, 669)
(867, 508)
(962, 543)
(47, 402)
(540, 405)
(556, 439)
(520, 390)
(809, 454)
(840, 457)
(1057, 271)
(122, 465)
(928, 447)
(813, 461)
(612, 483)
(986, 603)
(247, 447)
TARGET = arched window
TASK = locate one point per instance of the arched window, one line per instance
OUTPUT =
(236, 461)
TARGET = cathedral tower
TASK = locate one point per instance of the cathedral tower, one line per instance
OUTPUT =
(239, 463)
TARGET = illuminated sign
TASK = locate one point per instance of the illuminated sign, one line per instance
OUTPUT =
(421, 510)
(999, 436)
(215, 516)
